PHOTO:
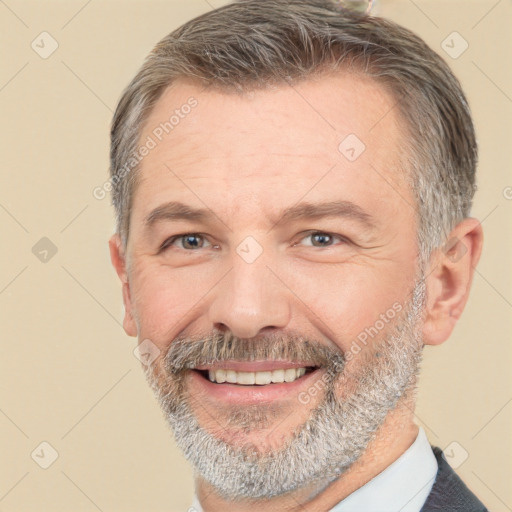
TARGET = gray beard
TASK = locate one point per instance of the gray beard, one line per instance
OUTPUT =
(338, 430)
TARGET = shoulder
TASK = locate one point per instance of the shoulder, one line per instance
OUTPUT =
(449, 493)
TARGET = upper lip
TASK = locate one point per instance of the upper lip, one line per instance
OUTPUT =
(253, 366)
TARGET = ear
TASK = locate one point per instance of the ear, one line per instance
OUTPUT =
(449, 280)
(117, 256)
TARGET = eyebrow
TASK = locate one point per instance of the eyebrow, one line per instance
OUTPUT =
(175, 210)
(328, 209)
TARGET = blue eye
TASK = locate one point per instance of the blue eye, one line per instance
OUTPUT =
(322, 239)
(187, 241)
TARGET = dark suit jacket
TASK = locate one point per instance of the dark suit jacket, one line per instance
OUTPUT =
(449, 493)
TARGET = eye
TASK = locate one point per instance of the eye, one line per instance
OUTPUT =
(322, 239)
(186, 241)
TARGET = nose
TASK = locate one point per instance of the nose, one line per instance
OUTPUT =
(249, 299)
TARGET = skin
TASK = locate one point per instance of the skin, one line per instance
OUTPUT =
(246, 159)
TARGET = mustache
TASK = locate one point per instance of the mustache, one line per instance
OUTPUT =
(187, 352)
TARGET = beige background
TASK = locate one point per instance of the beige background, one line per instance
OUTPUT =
(68, 373)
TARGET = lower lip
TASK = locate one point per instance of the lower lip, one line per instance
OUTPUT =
(246, 395)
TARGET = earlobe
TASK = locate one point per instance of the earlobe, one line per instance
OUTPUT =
(449, 280)
(117, 256)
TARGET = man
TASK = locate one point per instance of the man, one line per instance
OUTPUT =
(292, 182)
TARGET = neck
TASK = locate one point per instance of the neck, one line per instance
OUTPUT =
(394, 437)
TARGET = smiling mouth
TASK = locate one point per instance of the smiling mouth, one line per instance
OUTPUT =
(256, 378)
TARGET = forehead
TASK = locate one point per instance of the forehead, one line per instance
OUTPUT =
(337, 134)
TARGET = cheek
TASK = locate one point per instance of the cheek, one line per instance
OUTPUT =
(346, 302)
(165, 300)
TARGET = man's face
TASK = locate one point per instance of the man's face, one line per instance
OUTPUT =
(304, 255)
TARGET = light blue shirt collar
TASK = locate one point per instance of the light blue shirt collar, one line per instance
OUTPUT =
(402, 487)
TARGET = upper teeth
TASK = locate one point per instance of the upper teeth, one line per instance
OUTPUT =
(250, 378)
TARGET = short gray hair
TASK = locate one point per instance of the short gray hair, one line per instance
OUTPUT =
(252, 44)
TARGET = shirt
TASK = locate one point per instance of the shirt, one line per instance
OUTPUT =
(402, 487)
